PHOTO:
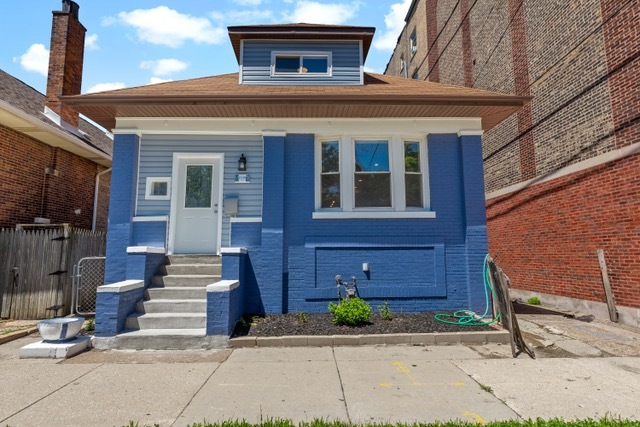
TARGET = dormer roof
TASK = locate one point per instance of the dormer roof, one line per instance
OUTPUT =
(300, 31)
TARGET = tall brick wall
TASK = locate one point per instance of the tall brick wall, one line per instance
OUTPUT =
(22, 164)
(546, 236)
(580, 62)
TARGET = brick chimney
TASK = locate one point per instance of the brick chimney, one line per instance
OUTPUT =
(65, 60)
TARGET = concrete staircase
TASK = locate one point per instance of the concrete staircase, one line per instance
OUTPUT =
(173, 313)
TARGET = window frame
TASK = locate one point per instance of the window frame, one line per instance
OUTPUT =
(301, 55)
(398, 207)
(413, 43)
(149, 186)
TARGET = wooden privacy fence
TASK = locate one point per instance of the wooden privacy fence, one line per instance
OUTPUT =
(36, 269)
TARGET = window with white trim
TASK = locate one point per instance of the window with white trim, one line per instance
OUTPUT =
(371, 177)
(157, 188)
(301, 64)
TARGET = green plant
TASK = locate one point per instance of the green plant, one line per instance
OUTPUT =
(534, 301)
(90, 325)
(351, 312)
(385, 311)
(301, 316)
(486, 388)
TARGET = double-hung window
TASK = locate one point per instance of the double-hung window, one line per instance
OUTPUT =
(372, 177)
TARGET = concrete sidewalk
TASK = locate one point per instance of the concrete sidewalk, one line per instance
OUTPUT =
(583, 370)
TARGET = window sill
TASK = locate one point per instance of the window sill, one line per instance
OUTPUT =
(374, 215)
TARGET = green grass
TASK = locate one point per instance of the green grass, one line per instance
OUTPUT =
(533, 301)
(604, 422)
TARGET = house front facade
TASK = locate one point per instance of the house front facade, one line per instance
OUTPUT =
(297, 169)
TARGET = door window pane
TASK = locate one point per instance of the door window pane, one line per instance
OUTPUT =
(198, 186)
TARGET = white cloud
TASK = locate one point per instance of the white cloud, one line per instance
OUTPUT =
(248, 2)
(394, 21)
(101, 87)
(372, 70)
(108, 21)
(167, 27)
(313, 12)
(91, 42)
(35, 59)
(156, 80)
(164, 67)
(249, 16)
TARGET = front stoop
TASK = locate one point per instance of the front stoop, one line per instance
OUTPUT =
(173, 314)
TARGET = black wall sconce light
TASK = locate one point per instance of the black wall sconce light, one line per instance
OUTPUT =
(242, 163)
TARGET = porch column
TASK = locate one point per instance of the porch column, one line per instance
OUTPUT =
(475, 214)
(272, 263)
(121, 205)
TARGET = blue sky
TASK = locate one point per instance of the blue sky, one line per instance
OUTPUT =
(133, 43)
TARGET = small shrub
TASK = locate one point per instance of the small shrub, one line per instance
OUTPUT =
(351, 312)
(534, 301)
(385, 311)
(90, 325)
(301, 316)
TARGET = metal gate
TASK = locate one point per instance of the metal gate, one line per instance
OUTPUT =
(88, 274)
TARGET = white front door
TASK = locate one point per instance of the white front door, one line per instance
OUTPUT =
(195, 217)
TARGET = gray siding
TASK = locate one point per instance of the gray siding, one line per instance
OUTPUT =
(156, 158)
(257, 62)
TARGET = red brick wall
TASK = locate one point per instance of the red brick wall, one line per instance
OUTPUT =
(546, 237)
(65, 64)
(22, 164)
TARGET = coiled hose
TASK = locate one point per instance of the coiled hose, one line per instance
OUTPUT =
(468, 317)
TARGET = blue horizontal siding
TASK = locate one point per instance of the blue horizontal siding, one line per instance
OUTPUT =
(156, 158)
(256, 62)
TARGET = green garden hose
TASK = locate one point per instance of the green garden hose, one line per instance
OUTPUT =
(468, 317)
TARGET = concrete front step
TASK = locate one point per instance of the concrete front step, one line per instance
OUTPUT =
(166, 321)
(191, 280)
(193, 259)
(172, 306)
(161, 339)
(173, 293)
(178, 269)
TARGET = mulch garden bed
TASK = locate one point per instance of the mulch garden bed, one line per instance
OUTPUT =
(321, 324)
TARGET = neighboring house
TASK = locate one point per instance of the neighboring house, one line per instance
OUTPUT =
(298, 168)
(50, 159)
(562, 176)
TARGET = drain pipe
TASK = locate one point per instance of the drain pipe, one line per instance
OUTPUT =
(95, 198)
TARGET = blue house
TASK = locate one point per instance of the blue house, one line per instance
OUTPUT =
(250, 192)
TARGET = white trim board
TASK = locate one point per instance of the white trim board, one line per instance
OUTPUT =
(611, 156)
(260, 126)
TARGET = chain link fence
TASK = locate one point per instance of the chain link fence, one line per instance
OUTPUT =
(88, 274)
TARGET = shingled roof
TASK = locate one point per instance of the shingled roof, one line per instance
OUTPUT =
(223, 97)
(28, 103)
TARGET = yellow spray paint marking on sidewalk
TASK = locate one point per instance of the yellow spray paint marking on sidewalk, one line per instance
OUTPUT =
(458, 384)
(478, 419)
(401, 368)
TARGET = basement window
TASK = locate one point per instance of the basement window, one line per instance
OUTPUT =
(301, 64)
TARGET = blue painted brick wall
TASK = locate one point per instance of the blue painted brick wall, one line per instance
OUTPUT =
(112, 310)
(121, 206)
(149, 233)
(223, 311)
(400, 251)
(245, 234)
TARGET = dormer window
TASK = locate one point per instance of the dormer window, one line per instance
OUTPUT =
(301, 64)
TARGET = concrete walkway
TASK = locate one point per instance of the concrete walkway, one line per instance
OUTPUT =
(357, 384)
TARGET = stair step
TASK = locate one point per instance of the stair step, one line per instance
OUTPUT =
(162, 339)
(166, 321)
(172, 306)
(180, 269)
(188, 280)
(193, 259)
(176, 293)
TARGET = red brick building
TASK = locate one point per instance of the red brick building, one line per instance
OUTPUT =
(563, 175)
(51, 160)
